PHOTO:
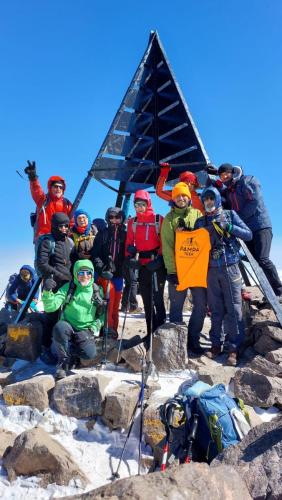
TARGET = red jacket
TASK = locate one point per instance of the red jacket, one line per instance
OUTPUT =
(146, 238)
(165, 194)
(47, 205)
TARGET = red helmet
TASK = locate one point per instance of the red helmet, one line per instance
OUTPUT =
(189, 177)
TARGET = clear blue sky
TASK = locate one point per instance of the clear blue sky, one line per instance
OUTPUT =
(65, 65)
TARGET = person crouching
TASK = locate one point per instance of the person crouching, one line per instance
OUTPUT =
(81, 319)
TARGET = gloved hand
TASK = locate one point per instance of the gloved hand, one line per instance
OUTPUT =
(155, 264)
(134, 264)
(211, 169)
(30, 170)
(165, 169)
(49, 284)
(111, 265)
(172, 278)
(132, 250)
(218, 184)
(106, 275)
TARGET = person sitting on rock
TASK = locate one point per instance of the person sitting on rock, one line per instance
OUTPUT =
(144, 252)
(81, 316)
(19, 289)
(188, 178)
(182, 216)
(82, 236)
(107, 256)
(46, 204)
(224, 278)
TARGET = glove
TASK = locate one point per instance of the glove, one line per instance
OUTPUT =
(211, 169)
(30, 170)
(132, 250)
(49, 284)
(165, 169)
(134, 264)
(172, 278)
(111, 265)
(107, 275)
(218, 184)
(155, 264)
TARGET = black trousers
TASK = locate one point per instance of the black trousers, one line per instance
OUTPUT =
(130, 288)
(259, 247)
(153, 283)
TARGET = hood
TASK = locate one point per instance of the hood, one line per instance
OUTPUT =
(57, 219)
(189, 177)
(55, 178)
(141, 194)
(83, 264)
(216, 194)
(237, 172)
(30, 269)
(115, 211)
(100, 224)
(81, 230)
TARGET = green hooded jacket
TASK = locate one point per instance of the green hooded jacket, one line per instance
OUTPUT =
(80, 312)
(169, 226)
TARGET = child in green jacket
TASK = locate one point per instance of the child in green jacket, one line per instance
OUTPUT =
(81, 318)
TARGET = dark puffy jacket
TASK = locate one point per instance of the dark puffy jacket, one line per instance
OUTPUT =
(243, 195)
(224, 250)
(109, 241)
(19, 289)
(56, 264)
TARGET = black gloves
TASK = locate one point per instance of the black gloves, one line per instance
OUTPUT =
(106, 275)
(30, 170)
(155, 264)
(211, 169)
(49, 284)
(172, 278)
(133, 264)
(132, 250)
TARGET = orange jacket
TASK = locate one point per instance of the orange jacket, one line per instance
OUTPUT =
(47, 205)
(166, 194)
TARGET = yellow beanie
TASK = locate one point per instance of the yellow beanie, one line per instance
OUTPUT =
(180, 188)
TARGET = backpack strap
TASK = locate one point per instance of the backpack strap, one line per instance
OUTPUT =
(147, 224)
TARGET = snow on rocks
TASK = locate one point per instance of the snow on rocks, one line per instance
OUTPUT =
(32, 392)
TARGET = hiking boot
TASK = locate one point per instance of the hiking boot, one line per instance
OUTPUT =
(47, 357)
(112, 333)
(61, 370)
(246, 295)
(232, 359)
(196, 349)
(214, 352)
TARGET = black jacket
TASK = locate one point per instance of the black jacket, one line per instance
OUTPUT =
(56, 264)
(109, 241)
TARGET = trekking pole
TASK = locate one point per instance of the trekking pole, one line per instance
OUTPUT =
(151, 369)
(143, 384)
(106, 327)
(126, 312)
(4, 291)
(139, 403)
(191, 438)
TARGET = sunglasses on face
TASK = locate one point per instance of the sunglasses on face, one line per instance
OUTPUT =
(58, 186)
(111, 217)
(140, 204)
(63, 225)
(209, 198)
(84, 273)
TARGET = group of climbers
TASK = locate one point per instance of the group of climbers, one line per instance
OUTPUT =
(145, 253)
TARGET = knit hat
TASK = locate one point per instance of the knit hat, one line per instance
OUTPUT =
(189, 177)
(225, 167)
(180, 188)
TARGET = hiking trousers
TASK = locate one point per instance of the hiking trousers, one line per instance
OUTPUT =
(199, 310)
(114, 300)
(225, 304)
(259, 247)
(153, 282)
(129, 294)
(66, 341)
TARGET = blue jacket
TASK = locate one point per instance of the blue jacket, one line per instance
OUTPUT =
(224, 249)
(243, 195)
(19, 289)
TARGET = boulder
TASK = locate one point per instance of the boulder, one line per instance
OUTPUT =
(262, 316)
(194, 481)
(35, 453)
(258, 460)
(7, 439)
(265, 343)
(275, 356)
(32, 392)
(24, 341)
(216, 374)
(265, 365)
(257, 389)
(81, 395)
(133, 357)
(6, 377)
(153, 429)
(119, 406)
(170, 347)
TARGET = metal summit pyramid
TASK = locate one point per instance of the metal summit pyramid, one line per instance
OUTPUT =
(152, 125)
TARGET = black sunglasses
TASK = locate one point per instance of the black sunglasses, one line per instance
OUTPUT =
(114, 217)
(63, 225)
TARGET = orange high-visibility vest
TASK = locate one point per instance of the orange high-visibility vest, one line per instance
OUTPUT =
(192, 250)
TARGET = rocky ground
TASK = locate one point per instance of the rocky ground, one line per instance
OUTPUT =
(92, 407)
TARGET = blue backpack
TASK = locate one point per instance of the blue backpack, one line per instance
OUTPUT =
(222, 420)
